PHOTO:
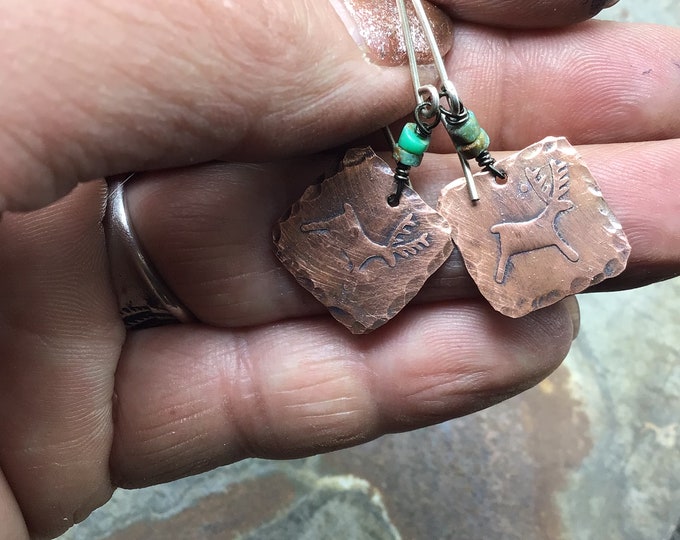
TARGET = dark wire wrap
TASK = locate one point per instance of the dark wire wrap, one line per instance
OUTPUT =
(424, 112)
(402, 179)
(485, 160)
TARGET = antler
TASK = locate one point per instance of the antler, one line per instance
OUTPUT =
(402, 230)
(412, 247)
(560, 172)
(552, 186)
(542, 185)
(400, 246)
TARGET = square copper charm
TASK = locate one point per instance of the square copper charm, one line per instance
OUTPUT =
(544, 234)
(359, 256)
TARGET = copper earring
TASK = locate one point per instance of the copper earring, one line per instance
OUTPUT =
(363, 242)
(542, 233)
(532, 228)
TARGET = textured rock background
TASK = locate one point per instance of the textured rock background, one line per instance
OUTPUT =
(592, 453)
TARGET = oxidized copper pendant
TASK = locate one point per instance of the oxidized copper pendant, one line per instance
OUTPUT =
(543, 234)
(359, 256)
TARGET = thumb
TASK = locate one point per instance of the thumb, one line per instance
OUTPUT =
(97, 88)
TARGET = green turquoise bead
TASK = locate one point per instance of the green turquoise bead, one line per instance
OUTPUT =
(479, 145)
(468, 132)
(411, 142)
(407, 158)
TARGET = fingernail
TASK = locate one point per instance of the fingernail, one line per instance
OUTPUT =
(571, 303)
(375, 26)
(598, 5)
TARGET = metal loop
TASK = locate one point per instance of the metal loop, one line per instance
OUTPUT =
(426, 121)
(430, 96)
(450, 93)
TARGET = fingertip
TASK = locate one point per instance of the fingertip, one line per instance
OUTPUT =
(599, 5)
(12, 524)
(572, 306)
(522, 14)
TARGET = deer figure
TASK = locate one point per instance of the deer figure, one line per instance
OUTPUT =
(539, 232)
(346, 231)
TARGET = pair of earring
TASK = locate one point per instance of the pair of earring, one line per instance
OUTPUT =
(532, 228)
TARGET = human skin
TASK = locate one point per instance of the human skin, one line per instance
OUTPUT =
(93, 89)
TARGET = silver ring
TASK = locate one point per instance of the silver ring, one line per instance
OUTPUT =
(144, 300)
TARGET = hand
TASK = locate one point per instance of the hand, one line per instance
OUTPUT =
(93, 89)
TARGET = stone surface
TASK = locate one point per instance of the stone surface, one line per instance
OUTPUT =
(651, 11)
(358, 255)
(544, 233)
(590, 453)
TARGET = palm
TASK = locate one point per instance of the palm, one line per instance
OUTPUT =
(87, 407)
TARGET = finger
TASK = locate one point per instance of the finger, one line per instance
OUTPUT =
(599, 82)
(191, 399)
(219, 258)
(151, 84)
(643, 194)
(60, 337)
(523, 14)
(240, 101)
(208, 229)
(11, 523)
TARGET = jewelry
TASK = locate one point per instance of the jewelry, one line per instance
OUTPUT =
(543, 233)
(533, 229)
(363, 242)
(144, 300)
(540, 230)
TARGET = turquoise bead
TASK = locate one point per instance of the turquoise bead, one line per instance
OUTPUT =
(469, 131)
(468, 136)
(407, 158)
(476, 147)
(411, 142)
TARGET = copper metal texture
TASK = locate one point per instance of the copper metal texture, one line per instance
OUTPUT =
(545, 234)
(359, 256)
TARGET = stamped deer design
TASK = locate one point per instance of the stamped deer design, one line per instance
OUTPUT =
(347, 231)
(539, 232)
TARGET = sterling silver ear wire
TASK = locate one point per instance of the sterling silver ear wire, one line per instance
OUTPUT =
(469, 139)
